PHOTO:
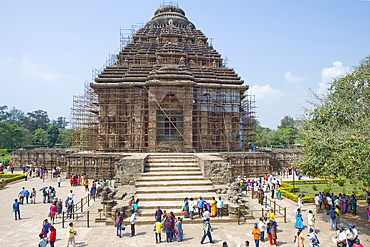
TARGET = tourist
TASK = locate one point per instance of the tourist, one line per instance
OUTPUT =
(220, 205)
(224, 244)
(271, 215)
(25, 175)
(311, 220)
(27, 195)
(207, 231)
(341, 238)
(93, 191)
(213, 207)
(317, 202)
(278, 193)
(200, 206)
(354, 204)
(185, 208)
(86, 185)
(333, 219)
(118, 223)
(133, 221)
(256, 234)
(43, 241)
(312, 235)
(368, 212)
(71, 235)
(131, 202)
(272, 191)
(59, 208)
(45, 227)
(298, 219)
(262, 227)
(59, 181)
(158, 230)
(16, 209)
(135, 205)
(52, 236)
(69, 205)
(206, 215)
(44, 196)
(300, 202)
(314, 243)
(33, 196)
(169, 230)
(191, 208)
(338, 216)
(179, 232)
(354, 231)
(21, 195)
(357, 243)
(329, 202)
(246, 244)
(172, 221)
(298, 238)
(272, 231)
(351, 236)
(71, 195)
(158, 214)
(53, 210)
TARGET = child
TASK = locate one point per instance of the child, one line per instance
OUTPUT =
(43, 241)
(357, 243)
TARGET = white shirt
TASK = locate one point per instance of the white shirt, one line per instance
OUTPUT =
(133, 219)
(342, 236)
(59, 179)
(206, 214)
(350, 234)
(355, 231)
(317, 200)
(310, 219)
(70, 195)
(191, 206)
(329, 200)
(261, 226)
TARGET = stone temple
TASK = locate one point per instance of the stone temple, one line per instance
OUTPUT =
(169, 91)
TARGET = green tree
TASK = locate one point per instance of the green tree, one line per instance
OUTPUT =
(3, 113)
(65, 136)
(10, 135)
(285, 122)
(53, 134)
(40, 136)
(27, 136)
(336, 129)
(289, 135)
(16, 116)
(38, 119)
(277, 137)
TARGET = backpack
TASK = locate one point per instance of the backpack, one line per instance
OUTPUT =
(116, 222)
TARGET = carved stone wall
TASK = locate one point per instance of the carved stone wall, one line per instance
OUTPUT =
(129, 168)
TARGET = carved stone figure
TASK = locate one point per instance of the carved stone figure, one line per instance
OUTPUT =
(182, 61)
(159, 60)
(214, 63)
(125, 63)
(192, 63)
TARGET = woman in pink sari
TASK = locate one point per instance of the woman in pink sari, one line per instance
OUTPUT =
(79, 180)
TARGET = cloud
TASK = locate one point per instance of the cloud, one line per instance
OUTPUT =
(5, 61)
(293, 79)
(265, 92)
(327, 75)
(38, 71)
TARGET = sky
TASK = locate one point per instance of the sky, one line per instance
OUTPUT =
(281, 49)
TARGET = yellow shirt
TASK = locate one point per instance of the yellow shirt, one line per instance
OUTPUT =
(158, 227)
(338, 211)
(271, 216)
(71, 232)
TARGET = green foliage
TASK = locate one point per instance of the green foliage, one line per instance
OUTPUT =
(10, 135)
(53, 134)
(3, 113)
(285, 122)
(27, 136)
(38, 119)
(14, 178)
(40, 136)
(341, 182)
(326, 190)
(314, 187)
(336, 129)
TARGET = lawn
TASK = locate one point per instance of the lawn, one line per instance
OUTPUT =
(335, 188)
(6, 157)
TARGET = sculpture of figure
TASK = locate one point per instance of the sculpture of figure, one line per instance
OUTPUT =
(159, 60)
(125, 63)
(214, 63)
(170, 22)
(139, 40)
(192, 63)
(157, 39)
(182, 61)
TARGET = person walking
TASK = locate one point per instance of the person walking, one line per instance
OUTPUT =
(191, 208)
(341, 238)
(312, 235)
(133, 221)
(21, 195)
(43, 242)
(298, 219)
(185, 208)
(16, 209)
(59, 181)
(27, 195)
(200, 206)
(333, 219)
(256, 234)
(357, 243)
(158, 214)
(118, 223)
(52, 236)
(272, 231)
(207, 231)
(33, 196)
(53, 210)
(314, 243)
(300, 202)
(311, 220)
(71, 235)
(262, 227)
(317, 203)
(158, 230)
(45, 227)
(179, 231)
(220, 205)
(299, 238)
(351, 236)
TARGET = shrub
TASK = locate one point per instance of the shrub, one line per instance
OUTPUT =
(326, 190)
(314, 187)
(341, 182)
(15, 178)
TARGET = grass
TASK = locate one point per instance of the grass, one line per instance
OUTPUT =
(335, 188)
(6, 157)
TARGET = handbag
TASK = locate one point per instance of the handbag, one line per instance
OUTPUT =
(185, 213)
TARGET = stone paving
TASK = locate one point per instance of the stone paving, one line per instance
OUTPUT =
(25, 232)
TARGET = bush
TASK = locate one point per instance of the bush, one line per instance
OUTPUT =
(15, 178)
(326, 190)
(341, 182)
(314, 187)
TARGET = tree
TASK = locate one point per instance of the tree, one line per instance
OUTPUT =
(289, 135)
(38, 119)
(286, 121)
(10, 135)
(3, 113)
(27, 136)
(16, 116)
(53, 134)
(61, 122)
(40, 136)
(336, 129)
(277, 137)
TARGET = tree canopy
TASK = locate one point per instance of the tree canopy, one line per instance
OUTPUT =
(336, 129)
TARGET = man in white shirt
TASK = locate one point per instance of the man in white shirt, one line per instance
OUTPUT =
(219, 205)
(342, 237)
(351, 236)
(317, 202)
(71, 194)
(262, 227)
(191, 208)
(133, 221)
(330, 203)
(21, 195)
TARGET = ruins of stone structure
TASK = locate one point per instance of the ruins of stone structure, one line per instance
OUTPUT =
(167, 90)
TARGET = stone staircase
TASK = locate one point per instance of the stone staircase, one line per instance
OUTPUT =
(166, 181)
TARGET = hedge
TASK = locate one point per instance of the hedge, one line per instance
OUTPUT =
(1, 172)
(316, 181)
(15, 178)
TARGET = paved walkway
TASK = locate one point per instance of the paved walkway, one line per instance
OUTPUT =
(25, 232)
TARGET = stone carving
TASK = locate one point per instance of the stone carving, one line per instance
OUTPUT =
(159, 60)
(182, 61)
(192, 63)
(125, 63)
(170, 22)
(214, 63)
(157, 40)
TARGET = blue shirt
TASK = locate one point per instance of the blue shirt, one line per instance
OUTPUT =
(27, 193)
(16, 206)
(23, 193)
(200, 203)
(332, 214)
